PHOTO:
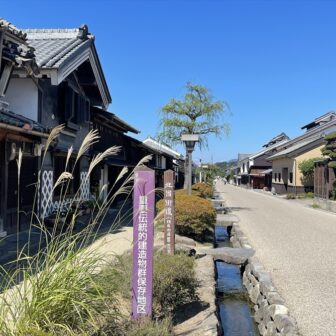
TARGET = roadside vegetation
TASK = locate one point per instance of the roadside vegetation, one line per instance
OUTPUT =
(329, 150)
(206, 190)
(66, 288)
(305, 195)
(194, 214)
(306, 167)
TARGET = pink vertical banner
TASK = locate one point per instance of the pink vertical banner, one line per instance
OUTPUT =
(143, 236)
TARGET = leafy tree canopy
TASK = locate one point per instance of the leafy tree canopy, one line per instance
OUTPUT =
(306, 167)
(330, 149)
(198, 112)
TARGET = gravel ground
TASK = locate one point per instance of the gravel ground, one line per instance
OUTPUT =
(297, 244)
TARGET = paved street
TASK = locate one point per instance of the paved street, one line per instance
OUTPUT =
(297, 245)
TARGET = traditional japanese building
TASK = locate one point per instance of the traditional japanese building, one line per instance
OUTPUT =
(260, 168)
(242, 173)
(166, 158)
(287, 177)
(113, 132)
(18, 133)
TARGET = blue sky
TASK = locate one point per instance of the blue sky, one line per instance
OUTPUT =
(273, 62)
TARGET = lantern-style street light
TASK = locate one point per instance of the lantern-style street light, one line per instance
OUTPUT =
(189, 141)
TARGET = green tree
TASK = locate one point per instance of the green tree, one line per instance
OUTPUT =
(330, 149)
(306, 167)
(197, 113)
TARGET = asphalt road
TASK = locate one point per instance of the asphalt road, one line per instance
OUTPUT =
(297, 245)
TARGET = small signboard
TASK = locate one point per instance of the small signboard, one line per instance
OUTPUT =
(169, 211)
(143, 235)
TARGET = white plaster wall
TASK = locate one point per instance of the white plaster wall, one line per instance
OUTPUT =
(22, 96)
(163, 162)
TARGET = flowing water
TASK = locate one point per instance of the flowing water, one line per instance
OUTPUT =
(235, 309)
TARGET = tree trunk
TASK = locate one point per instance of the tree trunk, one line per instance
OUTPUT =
(186, 175)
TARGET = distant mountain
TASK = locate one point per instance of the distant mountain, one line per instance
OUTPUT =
(224, 166)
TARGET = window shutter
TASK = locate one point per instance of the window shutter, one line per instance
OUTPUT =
(87, 110)
(82, 113)
(68, 104)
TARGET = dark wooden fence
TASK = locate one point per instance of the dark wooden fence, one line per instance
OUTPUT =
(324, 178)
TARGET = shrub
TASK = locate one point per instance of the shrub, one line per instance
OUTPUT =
(290, 196)
(306, 195)
(205, 190)
(306, 167)
(316, 206)
(138, 328)
(194, 216)
(174, 281)
(180, 192)
(150, 328)
(55, 291)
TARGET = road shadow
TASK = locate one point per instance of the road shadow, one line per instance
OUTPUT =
(234, 209)
(189, 310)
(31, 244)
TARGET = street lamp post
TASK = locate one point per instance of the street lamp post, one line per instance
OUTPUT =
(189, 141)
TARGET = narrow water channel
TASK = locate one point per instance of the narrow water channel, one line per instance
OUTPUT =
(235, 309)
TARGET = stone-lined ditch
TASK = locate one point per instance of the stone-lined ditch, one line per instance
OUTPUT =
(270, 311)
(234, 307)
(248, 303)
(237, 293)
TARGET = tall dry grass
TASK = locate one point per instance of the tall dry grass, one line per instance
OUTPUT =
(55, 290)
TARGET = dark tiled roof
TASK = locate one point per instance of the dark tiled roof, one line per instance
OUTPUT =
(282, 136)
(55, 46)
(306, 144)
(113, 120)
(15, 47)
(65, 50)
(323, 119)
(12, 29)
(13, 119)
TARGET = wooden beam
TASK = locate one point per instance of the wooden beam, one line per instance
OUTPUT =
(5, 76)
(1, 46)
(4, 180)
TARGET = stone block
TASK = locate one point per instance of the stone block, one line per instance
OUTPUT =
(266, 285)
(263, 276)
(248, 269)
(237, 256)
(256, 267)
(249, 287)
(246, 280)
(271, 329)
(263, 303)
(254, 293)
(262, 329)
(266, 315)
(285, 324)
(254, 280)
(276, 309)
(274, 298)
(258, 316)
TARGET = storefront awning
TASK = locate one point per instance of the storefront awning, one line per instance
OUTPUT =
(257, 172)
